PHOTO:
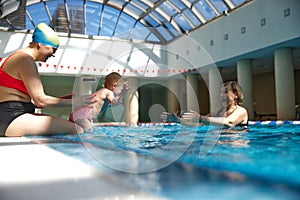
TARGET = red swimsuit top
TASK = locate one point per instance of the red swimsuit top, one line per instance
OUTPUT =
(10, 82)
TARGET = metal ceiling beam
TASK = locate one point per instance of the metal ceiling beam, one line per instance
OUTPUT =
(8, 6)
(48, 13)
(197, 13)
(180, 11)
(229, 4)
(84, 16)
(68, 17)
(189, 6)
(118, 19)
(157, 4)
(168, 19)
(101, 18)
(162, 24)
(213, 7)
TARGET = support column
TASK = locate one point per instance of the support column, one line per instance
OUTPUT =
(244, 78)
(132, 102)
(192, 92)
(215, 82)
(284, 84)
(173, 95)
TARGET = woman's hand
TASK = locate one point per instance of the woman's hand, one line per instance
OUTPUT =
(168, 117)
(164, 116)
(191, 116)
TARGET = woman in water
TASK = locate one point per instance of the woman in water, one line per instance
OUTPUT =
(232, 114)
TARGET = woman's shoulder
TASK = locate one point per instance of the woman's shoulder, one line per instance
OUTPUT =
(243, 113)
(22, 53)
(241, 109)
(20, 57)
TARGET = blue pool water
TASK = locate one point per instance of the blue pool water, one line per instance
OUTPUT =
(179, 162)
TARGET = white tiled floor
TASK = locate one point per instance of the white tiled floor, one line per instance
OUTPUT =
(49, 168)
(33, 171)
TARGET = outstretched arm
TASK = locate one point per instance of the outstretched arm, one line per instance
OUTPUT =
(116, 99)
(233, 119)
(33, 83)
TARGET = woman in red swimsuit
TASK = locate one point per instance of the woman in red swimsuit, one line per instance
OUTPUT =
(21, 90)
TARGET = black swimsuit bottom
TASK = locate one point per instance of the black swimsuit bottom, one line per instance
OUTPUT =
(10, 110)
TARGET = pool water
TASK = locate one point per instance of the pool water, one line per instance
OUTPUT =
(270, 152)
(171, 160)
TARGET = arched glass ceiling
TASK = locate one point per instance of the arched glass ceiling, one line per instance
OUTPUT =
(155, 21)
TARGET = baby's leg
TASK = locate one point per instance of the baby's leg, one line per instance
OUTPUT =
(86, 124)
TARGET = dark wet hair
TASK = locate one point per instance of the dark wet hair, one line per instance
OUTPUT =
(236, 89)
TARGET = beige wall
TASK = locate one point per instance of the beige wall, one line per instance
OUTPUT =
(203, 98)
(264, 94)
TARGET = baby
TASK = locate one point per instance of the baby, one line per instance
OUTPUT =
(115, 88)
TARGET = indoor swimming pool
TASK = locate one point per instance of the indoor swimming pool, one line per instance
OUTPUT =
(179, 162)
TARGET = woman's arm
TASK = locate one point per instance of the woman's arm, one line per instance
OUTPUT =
(238, 116)
(31, 78)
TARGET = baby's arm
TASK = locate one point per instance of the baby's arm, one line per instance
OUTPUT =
(116, 99)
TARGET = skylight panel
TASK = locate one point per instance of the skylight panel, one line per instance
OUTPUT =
(109, 20)
(158, 16)
(171, 29)
(118, 3)
(205, 10)
(133, 10)
(152, 38)
(125, 24)
(167, 36)
(139, 33)
(168, 8)
(192, 18)
(93, 16)
(52, 5)
(238, 2)
(179, 19)
(38, 14)
(192, 1)
(178, 4)
(176, 16)
(153, 1)
(219, 5)
(151, 21)
(75, 2)
(140, 4)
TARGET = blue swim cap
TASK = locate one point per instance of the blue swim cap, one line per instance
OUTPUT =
(45, 35)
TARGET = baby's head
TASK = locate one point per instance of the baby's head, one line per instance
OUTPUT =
(114, 82)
